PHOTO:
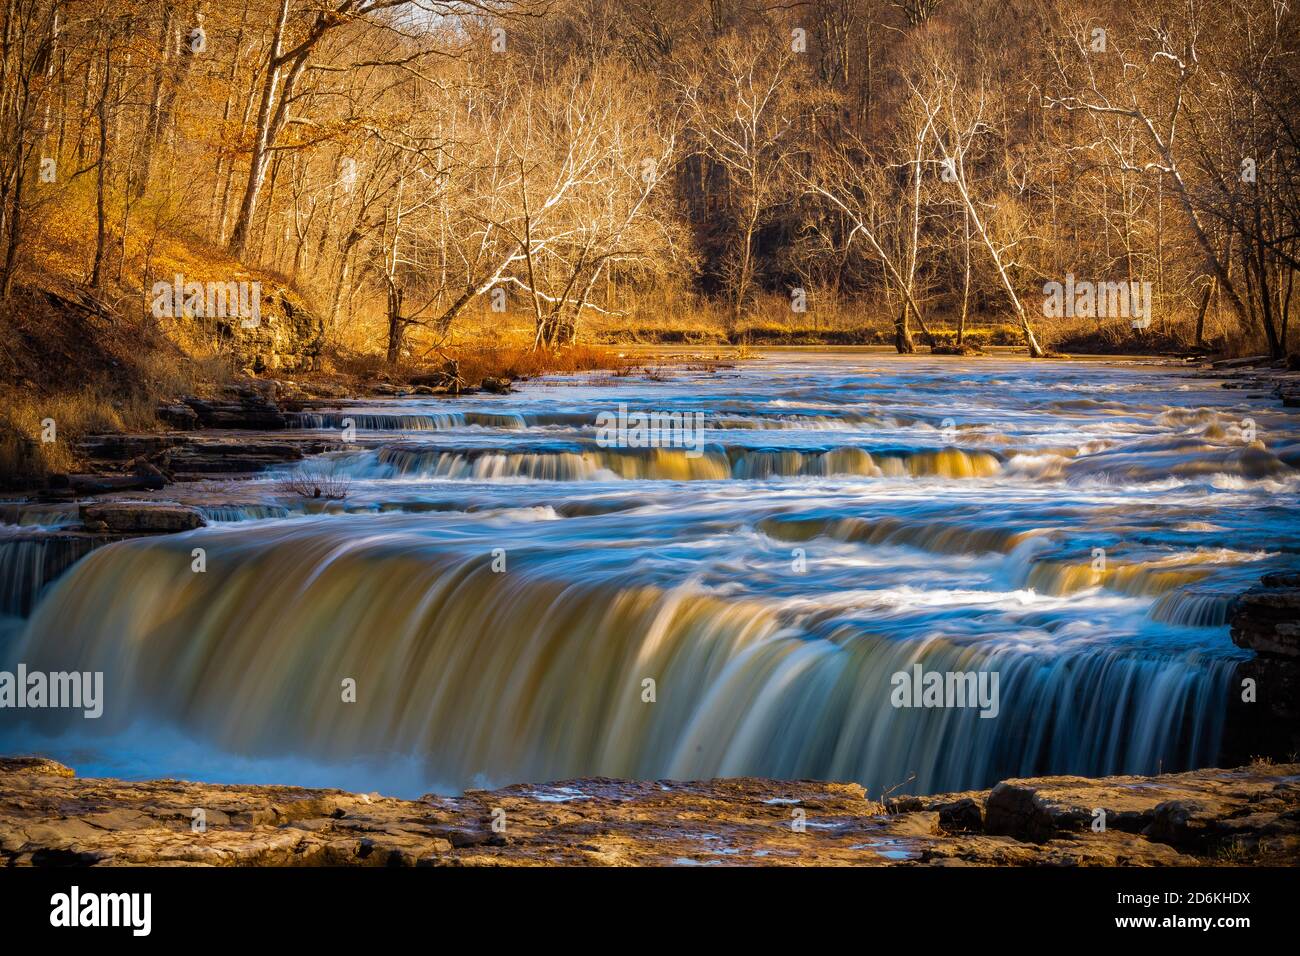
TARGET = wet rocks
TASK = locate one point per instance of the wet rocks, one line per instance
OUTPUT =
(104, 449)
(962, 816)
(1246, 361)
(73, 486)
(248, 404)
(149, 462)
(496, 386)
(1041, 809)
(138, 517)
(49, 816)
(1018, 809)
(1264, 708)
(1204, 813)
(447, 377)
(1266, 619)
(203, 457)
(138, 462)
(248, 409)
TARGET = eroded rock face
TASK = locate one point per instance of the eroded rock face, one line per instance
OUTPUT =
(288, 335)
(1250, 816)
(1266, 620)
(248, 406)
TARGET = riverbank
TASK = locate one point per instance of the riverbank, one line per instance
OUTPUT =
(1092, 338)
(1245, 816)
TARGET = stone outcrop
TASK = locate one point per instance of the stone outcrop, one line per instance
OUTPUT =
(201, 458)
(1266, 620)
(1200, 813)
(148, 462)
(140, 517)
(1246, 816)
(250, 406)
(75, 486)
(287, 336)
(159, 459)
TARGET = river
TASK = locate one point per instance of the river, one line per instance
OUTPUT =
(515, 596)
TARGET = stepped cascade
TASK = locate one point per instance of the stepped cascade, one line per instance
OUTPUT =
(515, 598)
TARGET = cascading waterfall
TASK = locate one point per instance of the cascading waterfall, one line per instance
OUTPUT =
(580, 463)
(442, 421)
(27, 566)
(514, 676)
(517, 602)
(451, 421)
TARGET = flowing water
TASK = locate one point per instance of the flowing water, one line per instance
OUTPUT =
(503, 584)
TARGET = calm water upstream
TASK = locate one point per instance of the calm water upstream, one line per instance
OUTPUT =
(501, 586)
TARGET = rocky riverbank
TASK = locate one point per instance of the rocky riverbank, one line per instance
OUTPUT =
(1246, 816)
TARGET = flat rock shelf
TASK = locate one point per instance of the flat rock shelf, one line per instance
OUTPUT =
(1245, 816)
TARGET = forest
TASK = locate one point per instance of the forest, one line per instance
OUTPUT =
(426, 173)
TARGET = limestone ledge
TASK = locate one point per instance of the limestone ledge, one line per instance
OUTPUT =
(1246, 816)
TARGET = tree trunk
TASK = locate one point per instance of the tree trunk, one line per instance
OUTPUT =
(396, 325)
(262, 140)
(903, 335)
(965, 281)
(101, 172)
(1206, 296)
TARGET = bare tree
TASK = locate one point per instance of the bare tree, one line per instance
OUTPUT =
(742, 111)
(960, 123)
(29, 36)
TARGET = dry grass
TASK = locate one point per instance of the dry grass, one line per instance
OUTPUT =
(27, 419)
(67, 360)
(1117, 336)
(476, 361)
(1236, 852)
(769, 320)
(515, 362)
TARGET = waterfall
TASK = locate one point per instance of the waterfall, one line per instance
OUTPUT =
(519, 598)
(27, 565)
(578, 462)
(519, 676)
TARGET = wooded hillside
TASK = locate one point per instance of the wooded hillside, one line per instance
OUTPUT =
(421, 171)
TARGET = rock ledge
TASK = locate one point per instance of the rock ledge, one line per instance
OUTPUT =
(1247, 816)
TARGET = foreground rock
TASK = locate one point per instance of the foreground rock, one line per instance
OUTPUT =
(1245, 816)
